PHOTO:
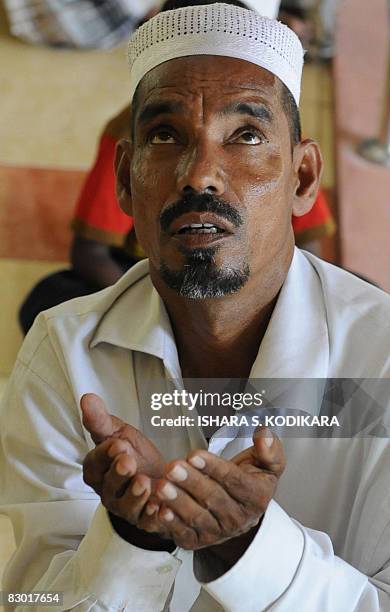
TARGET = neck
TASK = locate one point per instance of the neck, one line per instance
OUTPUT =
(220, 338)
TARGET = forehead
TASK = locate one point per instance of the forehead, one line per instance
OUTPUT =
(208, 76)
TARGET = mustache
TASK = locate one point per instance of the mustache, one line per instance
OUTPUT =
(200, 202)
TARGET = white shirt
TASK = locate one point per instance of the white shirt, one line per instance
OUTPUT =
(324, 543)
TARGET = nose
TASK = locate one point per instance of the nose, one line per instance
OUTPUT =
(200, 172)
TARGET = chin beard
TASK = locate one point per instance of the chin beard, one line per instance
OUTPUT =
(201, 279)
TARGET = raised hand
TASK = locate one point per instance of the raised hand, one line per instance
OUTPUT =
(202, 502)
(123, 466)
(206, 500)
(102, 425)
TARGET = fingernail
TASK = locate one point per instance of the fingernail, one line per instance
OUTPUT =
(268, 440)
(266, 434)
(197, 462)
(121, 469)
(137, 489)
(168, 515)
(116, 449)
(151, 509)
(178, 473)
(96, 403)
(168, 491)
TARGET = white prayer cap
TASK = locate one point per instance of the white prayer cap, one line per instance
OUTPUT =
(217, 29)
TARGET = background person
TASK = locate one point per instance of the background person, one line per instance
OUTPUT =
(82, 24)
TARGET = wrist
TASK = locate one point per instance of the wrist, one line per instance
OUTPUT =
(228, 553)
(139, 538)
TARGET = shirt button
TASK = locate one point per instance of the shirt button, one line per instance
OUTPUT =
(165, 569)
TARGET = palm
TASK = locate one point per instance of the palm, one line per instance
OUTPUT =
(148, 457)
(102, 425)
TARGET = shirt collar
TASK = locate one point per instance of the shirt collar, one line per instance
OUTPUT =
(137, 319)
(296, 343)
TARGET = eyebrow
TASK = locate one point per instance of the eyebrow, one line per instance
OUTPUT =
(253, 109)
(154, 109)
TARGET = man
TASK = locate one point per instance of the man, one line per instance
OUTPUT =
(104, 244)
(216, 152)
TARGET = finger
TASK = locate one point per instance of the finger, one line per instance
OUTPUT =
(249, 486)
(149, 519)
(267, 453)
(149, 459)
(182, 534)
(196, 499)
(99, 459)
(234, 510)
(208, 493)
(118, 477)
(133, 499)
(96, 418)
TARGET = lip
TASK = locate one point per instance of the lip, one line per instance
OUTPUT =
(201, 217)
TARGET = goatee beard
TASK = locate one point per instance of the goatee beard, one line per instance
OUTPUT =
(201, 279)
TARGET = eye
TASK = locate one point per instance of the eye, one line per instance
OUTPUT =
(249, 137)
(162, 137)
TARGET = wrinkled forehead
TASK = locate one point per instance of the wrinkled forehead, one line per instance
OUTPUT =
(212, 76)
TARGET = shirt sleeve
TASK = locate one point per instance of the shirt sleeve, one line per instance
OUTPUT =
(64, 539)
(317, 223)
(98, 215)
(283, 559)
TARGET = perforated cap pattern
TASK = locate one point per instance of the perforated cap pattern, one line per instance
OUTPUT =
(217, 29)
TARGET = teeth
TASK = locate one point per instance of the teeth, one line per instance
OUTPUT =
(200, 228)
(204, 230)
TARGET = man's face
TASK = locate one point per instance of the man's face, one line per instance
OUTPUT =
(211, 149)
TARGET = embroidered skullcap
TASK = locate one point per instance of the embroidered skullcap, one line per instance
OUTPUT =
(217, 29)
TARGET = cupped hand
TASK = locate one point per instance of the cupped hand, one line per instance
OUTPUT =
(207, 501)
(102, 425)
(123, 467)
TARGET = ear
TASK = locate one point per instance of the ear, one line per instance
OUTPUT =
(308, 164)
(123, 157)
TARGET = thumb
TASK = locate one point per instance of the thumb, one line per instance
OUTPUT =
(263, 440)
(96, 418)
(268, 451)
